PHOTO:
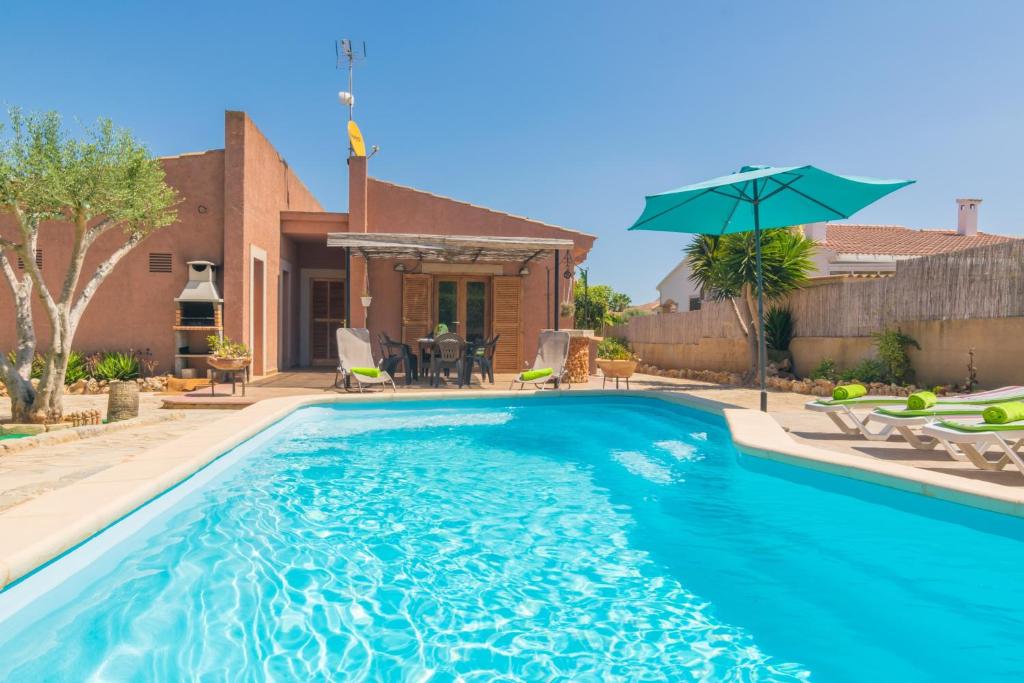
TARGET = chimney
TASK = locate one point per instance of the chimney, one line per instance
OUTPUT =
(967, 217)
(357, 209)
(816, 231)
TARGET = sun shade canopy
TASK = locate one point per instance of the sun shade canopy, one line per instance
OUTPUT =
(785, 196)
(447, 248)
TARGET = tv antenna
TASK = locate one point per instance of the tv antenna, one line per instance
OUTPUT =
(348, 54)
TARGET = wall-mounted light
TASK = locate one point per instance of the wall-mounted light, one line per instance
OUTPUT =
(399, 267)
(524, 271)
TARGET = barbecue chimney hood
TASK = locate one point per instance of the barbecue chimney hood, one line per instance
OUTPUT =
(202, 283)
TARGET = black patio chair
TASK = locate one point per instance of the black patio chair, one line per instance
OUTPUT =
(448, 354)
(482, 355)
(395, 355)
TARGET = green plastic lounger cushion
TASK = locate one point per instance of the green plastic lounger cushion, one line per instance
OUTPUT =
(531, 375)
(849, 391)
(1003, 413)
(366, 372)
(982, 426)
(933, 411)
(921, 400)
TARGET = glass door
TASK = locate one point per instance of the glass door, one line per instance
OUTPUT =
(462, 306)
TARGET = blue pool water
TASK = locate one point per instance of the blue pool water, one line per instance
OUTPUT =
(581, 538)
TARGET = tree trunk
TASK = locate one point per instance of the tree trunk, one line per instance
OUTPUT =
(752, 334)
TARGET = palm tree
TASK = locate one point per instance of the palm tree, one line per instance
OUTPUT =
(725, 269)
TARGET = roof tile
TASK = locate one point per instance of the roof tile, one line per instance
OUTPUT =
(896, 240)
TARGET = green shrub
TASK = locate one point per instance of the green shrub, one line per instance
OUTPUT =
(778, 328)
(867, 371)
(114, 365)
(826, 369)
(612, 348)
(892, 352)
(77, 369)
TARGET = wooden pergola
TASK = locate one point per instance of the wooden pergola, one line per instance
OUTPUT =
(464, 249)
(447, 248)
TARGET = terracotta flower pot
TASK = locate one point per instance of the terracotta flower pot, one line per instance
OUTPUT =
(228, 363)
(621, 369)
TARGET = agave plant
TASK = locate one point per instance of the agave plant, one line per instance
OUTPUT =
(115, 365)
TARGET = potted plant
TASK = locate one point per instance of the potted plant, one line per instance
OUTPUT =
(615, 359)
(227, 355)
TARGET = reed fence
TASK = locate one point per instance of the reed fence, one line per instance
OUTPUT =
(982, 283)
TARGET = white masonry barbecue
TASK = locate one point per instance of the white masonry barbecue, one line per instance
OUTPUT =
(200, 313)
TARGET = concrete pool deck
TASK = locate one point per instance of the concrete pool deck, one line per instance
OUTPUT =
(56, 500)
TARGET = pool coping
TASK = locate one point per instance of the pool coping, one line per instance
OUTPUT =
(41, 529)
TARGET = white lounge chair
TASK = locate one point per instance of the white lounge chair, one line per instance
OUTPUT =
(552, 352)
(841, 412)
(969, 438)
(355, 352)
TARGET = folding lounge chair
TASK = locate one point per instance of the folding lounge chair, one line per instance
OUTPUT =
(354, 352)
(552, 352)
(904, 420)
(841, 412)
(968, 439)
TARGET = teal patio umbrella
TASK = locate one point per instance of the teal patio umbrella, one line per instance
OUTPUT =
(758, 198)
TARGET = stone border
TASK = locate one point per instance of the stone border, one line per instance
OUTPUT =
(58, 436)
(36, 531)
(758, 434)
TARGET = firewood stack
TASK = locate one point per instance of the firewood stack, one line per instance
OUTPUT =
(578, 364)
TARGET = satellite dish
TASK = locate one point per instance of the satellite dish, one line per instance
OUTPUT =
(347, 99)
(355, 139)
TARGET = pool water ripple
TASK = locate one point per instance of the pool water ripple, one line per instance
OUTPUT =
(541, 540)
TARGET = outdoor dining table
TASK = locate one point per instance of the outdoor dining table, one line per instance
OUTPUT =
(426, 345)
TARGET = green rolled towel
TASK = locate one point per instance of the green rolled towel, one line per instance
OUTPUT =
(440, 329)
(1001, 413)
(921, 400)
(849, 391)
(536, 374)
(366, 372)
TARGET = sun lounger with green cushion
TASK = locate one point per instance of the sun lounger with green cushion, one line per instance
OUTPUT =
(893, 413)
(549, 366)
(968, 438)
(355, 360)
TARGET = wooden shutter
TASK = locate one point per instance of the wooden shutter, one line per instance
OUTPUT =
(416, 313)
(508, 322)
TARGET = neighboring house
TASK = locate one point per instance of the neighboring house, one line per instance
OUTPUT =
(848, 248)
(677, 289)
(254, 255)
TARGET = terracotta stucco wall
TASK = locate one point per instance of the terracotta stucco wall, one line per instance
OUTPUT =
(135, 308)
(259, 185)
(394, 208)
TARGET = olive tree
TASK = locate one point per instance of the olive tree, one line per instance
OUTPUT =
(84, 188)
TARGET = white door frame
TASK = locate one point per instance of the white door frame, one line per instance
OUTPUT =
(306, 275)
(285, 316)
(257, 254)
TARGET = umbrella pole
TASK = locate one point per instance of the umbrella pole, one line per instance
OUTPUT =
(762, 350)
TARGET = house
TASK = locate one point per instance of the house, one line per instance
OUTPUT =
(254, 256)
(858, 249)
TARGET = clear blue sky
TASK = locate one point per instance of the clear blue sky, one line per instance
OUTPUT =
(569, 112)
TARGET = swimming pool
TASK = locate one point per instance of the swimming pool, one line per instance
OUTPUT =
(582, 538)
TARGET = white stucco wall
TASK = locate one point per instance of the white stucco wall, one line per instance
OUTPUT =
(677, 287)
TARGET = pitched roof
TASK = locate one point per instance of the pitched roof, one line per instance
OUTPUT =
(896, 240)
